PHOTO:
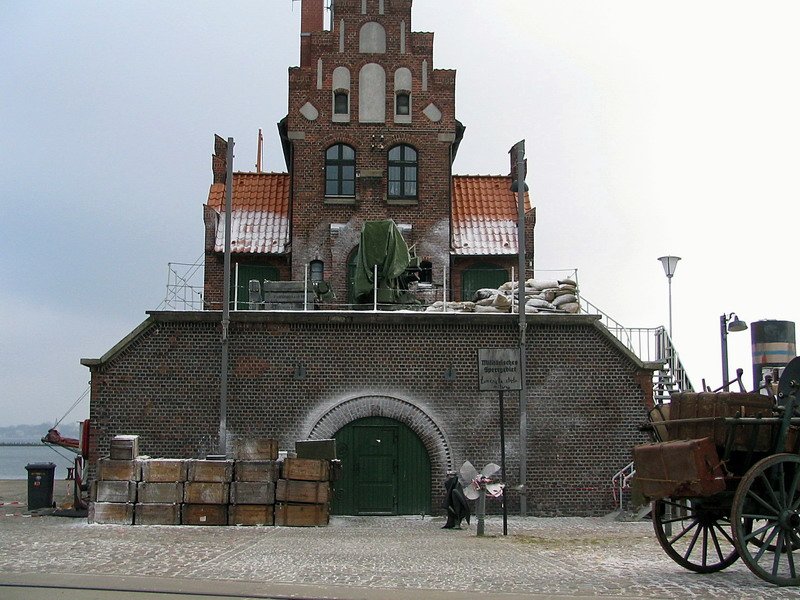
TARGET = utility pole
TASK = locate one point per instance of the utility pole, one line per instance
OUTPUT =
(226, 299)
(521, 187)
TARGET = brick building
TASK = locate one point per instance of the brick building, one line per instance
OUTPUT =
(411, 377)
(371, 134)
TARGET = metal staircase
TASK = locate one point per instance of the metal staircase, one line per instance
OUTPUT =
(650, 345)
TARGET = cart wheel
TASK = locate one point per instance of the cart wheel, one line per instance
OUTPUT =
(766, 517)
(699, 537)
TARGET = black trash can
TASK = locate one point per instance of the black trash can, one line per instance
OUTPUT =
(41, 478)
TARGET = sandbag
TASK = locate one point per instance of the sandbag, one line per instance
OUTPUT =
(488, 309)
(537, 303)
(502, 301)
(483, 294)
(541, 284)
(564, 299)
(571, 307)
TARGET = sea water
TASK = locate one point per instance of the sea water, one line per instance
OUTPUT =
(14, 458)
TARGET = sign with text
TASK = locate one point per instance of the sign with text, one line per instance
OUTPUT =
(499, 369)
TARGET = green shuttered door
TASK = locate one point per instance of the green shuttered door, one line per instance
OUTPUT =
(385, 470)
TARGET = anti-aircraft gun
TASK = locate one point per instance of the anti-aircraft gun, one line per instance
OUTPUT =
(384, 255)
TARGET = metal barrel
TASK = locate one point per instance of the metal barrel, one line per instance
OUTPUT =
(773, 346)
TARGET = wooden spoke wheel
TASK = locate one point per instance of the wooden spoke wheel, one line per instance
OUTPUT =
(695, 534)
(766, 519)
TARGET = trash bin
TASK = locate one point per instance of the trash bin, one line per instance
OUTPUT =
(40, 485)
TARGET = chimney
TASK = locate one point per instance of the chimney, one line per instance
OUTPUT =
(312, 19)
(219, 161)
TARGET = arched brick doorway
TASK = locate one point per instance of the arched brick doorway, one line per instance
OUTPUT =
(421, 451)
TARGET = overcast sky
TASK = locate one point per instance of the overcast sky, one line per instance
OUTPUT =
(652, 128)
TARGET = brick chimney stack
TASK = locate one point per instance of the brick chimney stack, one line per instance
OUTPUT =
(312, 19)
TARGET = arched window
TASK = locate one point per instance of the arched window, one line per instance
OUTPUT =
(403, 103)
(402, 95)
(340, 171)
(316, 271)
(402, 172)
(341, 95)
(340, 103)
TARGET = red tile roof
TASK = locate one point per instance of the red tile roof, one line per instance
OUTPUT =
(260, 213)
(484, 215)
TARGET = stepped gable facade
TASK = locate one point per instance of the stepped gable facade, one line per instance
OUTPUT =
(371, 134)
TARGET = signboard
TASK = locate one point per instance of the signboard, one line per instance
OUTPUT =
(499, 369)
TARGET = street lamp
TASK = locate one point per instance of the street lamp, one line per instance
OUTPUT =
(670, 263)
(728, 323)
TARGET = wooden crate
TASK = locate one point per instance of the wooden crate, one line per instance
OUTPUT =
(124, 447)
(251, 514)
(111, 513)
(308, 492)
(306, 469)
(116, 491)
(324, 449)
(713, 408)
(219, 471)
(164, 470)
(250, 492)
(204, 514)
(678, 469)
(149, 492)
(109, 469)
(256, 470)
(301, 515)
(255, 449)
(157, 514)
(205, 492)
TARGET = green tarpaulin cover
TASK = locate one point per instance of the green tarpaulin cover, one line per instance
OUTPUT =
(382, 244)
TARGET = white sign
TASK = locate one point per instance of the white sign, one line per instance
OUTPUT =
(499, 369)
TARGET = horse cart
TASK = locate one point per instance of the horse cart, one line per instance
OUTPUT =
(723, 474)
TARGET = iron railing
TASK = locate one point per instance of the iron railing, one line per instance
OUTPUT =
(649, 344)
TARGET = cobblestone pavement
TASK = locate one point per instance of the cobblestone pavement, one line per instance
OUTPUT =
(567, 557)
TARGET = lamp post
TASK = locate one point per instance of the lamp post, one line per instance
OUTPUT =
(728, 323)
(669, 263)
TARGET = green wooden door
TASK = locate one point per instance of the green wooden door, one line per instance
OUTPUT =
(385, 470)
(245, 274)
(481, 276)
(375, 469)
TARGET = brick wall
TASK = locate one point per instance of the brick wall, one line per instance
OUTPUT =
(295, 375)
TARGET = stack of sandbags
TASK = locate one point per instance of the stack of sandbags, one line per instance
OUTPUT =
(545, 296)
(205, 493)
(114, 492)
(303, 492)
(252, 496)
(160, 492)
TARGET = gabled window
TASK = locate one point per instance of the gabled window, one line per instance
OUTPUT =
(403, 172)
(340, 171)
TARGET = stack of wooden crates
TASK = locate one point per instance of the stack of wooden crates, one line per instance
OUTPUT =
(303, 493)
(252, 498)
(242, 491)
